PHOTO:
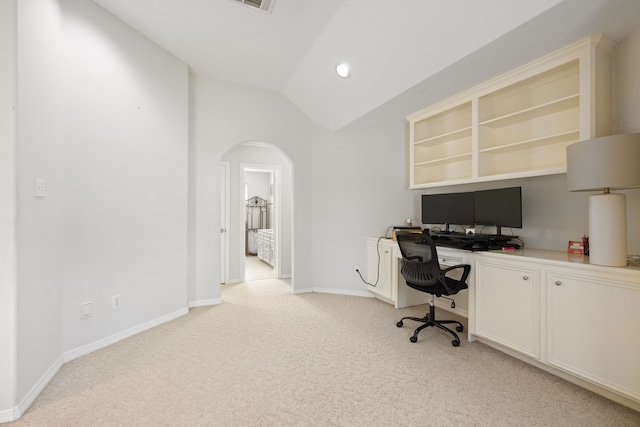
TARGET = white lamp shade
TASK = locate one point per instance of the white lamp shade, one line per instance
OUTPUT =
(608, 162)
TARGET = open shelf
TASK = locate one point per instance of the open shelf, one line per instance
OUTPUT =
(564, 138)
(441, 170)
(445, 160)
(443, 125)
(540, 89)
(549, 108)
(518, 124)
(447, 137)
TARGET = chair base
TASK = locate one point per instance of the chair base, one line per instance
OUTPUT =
(429, 320)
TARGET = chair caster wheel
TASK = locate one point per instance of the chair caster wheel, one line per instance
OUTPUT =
(459, 328)
(399, 324)
(455, 343)
(413, 339)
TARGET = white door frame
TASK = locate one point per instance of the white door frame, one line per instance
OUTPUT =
(277, 184)
(225, 213)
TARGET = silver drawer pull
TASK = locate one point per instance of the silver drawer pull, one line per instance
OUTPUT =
(558, 283)
(525, 277)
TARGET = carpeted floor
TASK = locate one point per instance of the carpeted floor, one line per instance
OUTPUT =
(256, 269)
(268, 358)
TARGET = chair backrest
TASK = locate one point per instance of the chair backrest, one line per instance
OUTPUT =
(420, 264)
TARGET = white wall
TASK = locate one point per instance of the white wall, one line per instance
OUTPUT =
(247, 154)
(221, 116)
(8, 207)
(40, 259)
(103, 119)
(359, 189)
(258, 184)
(627, 119)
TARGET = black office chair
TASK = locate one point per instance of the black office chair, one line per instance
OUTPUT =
(421, 270)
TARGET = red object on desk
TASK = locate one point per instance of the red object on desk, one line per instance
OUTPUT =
(575, 247)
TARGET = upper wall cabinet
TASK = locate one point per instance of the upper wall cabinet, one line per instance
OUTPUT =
(517, 125)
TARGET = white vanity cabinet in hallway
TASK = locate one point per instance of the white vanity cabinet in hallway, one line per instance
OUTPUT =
(266, 245)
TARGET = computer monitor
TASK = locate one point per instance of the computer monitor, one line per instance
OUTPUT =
(448, 208)
(500, 207)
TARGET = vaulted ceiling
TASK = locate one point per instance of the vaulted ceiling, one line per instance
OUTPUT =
(404, 54)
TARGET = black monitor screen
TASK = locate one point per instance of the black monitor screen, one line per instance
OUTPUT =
(450, 208)
(500, 207)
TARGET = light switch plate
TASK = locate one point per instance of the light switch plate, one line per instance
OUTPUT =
(85, 310)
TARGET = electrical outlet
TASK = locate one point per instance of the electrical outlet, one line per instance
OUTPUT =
(39, 188)
(116, 302)
(85, 310)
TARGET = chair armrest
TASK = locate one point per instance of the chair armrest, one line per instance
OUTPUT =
(463, 279)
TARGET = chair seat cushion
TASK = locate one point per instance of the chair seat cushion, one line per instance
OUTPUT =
(437, 289)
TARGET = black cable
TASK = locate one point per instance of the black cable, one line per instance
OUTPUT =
(378, 268)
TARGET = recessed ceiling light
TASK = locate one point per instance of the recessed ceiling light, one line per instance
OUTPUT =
(343, 70)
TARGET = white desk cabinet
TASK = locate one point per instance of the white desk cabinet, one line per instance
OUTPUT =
(575, 320)
(390, 285)
(507, 304)
(593, 329)
(379, 270)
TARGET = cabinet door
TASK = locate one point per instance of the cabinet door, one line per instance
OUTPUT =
(593, 330)
(507, 305)
(379, 259)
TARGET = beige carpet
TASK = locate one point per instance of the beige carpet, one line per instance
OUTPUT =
(256, 269)
(268, 358)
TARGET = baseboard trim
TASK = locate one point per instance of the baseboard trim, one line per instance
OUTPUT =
(205, 302)
(16, 412)
(8, 415)
(35, 391)
(365, 294)
(97, 345)
(572, 378)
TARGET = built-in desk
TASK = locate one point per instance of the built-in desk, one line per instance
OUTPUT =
(553, 310)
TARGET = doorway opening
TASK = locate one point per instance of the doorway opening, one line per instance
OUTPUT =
(258, 233)
(260, 221)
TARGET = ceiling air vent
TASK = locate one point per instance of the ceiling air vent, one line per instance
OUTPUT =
(261, 5)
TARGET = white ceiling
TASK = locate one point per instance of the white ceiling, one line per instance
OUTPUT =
(404, 54)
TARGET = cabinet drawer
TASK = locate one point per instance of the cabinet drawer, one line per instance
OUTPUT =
(449, 261)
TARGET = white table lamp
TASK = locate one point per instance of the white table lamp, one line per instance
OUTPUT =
(604, 164)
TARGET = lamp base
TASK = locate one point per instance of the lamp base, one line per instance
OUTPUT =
(608, 230)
